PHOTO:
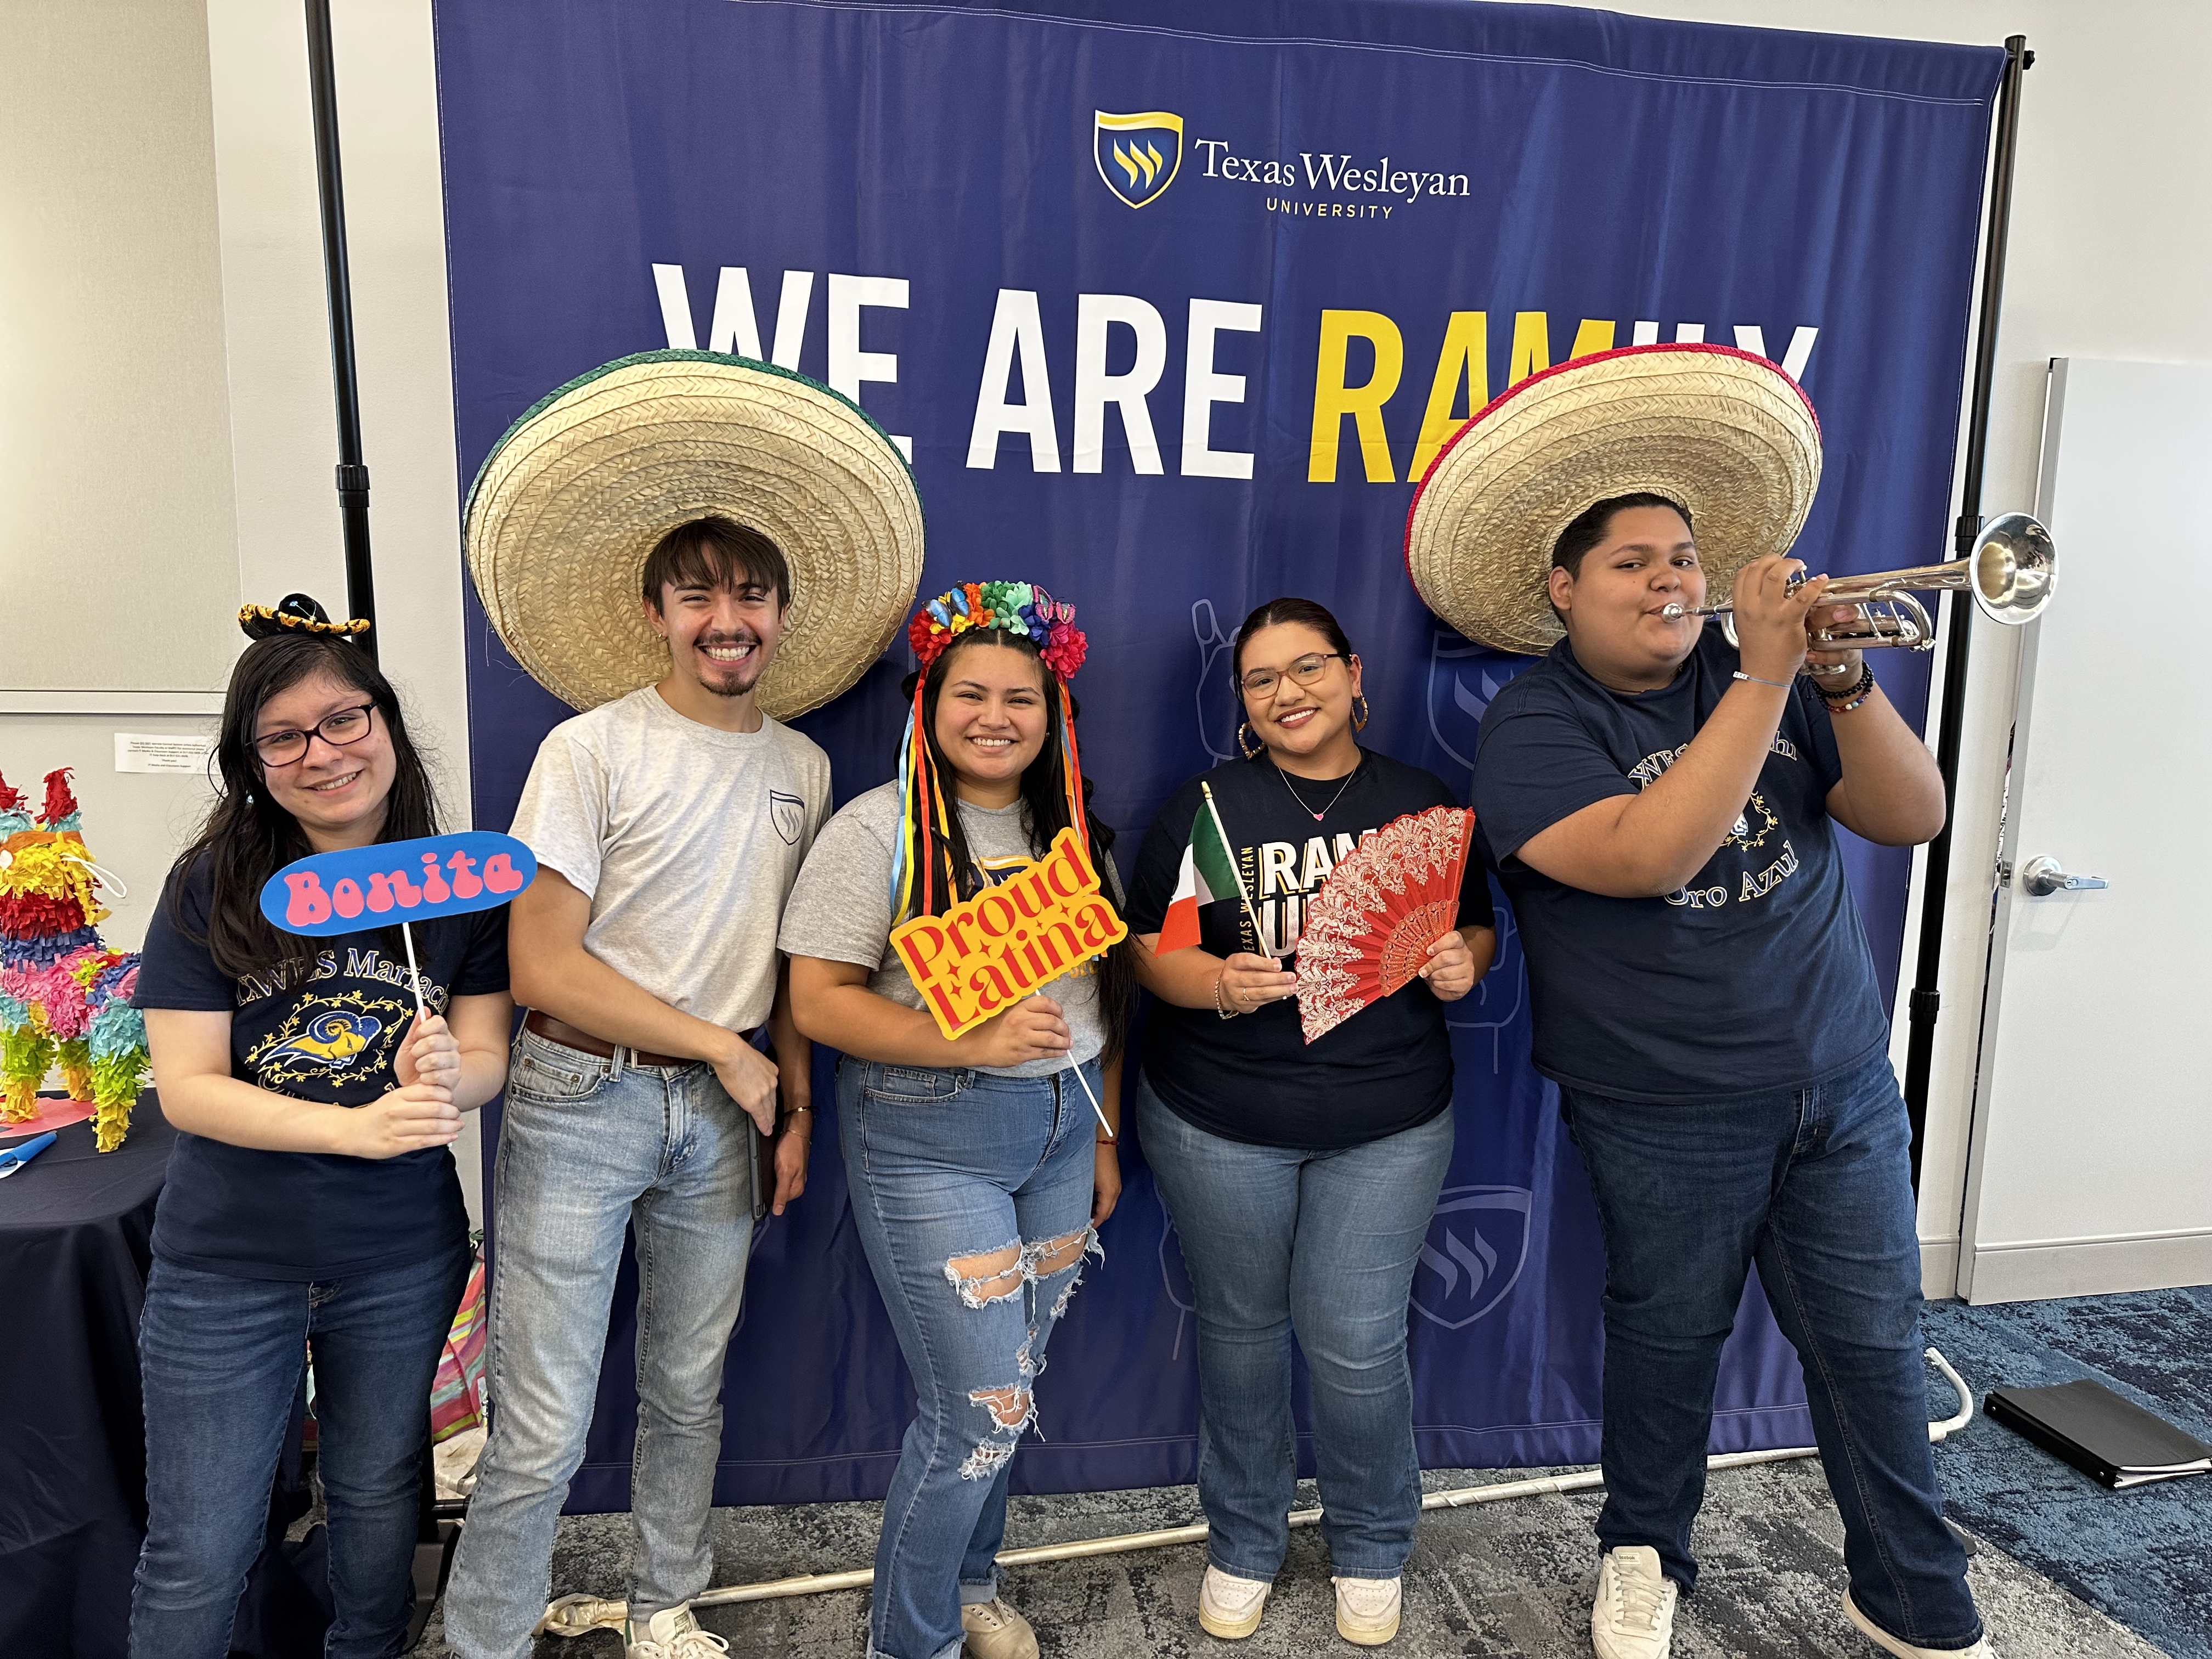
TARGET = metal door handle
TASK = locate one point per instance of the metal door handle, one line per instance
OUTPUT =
(2042, 877)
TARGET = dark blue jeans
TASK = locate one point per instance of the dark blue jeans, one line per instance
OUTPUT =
(1279, 1238)
(221, 1359)
(971, 1194)
(1814, 1185)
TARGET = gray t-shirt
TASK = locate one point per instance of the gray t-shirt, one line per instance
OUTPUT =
(685, 838)
(840, 910)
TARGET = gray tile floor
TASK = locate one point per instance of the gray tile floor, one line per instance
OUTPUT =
(1508, 1579)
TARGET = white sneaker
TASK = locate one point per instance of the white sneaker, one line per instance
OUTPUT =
(1367, 1610)
(994, 1631)
(1633, 1616)
(1888, 1643)
(671, 1633)
(1229, 1607)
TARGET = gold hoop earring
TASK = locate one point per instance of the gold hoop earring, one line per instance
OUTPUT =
(1359, 714)
(1256, 748)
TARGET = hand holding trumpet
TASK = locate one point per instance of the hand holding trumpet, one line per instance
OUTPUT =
(1771, 604)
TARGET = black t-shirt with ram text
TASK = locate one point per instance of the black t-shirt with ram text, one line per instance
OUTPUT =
(1755, 976)
(325, 1026)
(1255, 1078)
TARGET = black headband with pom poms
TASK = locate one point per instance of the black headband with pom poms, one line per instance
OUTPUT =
(297, 614)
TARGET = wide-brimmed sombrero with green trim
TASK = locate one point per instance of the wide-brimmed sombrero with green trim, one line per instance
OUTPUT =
(574, 495)
(1726, 434)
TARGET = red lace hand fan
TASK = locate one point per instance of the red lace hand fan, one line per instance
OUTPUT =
(1368, 929)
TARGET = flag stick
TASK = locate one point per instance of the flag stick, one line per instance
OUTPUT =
(414, 976)
(1214, 812)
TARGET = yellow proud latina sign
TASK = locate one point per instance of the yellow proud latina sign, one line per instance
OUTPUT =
(987, 953)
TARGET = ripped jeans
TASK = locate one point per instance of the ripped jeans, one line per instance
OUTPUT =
(971, 1193)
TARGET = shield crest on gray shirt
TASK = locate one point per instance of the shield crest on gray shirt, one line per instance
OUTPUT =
(787, 813)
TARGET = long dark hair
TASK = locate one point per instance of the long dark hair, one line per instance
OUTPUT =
(1044, 814)
(247, 837)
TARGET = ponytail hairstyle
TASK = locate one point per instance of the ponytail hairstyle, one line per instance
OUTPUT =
(247, 837)
(931, 866)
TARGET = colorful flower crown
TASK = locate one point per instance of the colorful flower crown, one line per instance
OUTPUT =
(1020, 608)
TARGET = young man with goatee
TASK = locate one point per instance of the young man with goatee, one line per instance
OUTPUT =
(669, 825)
(1660, 799)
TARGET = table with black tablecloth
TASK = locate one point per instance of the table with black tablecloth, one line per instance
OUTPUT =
(74, 1225)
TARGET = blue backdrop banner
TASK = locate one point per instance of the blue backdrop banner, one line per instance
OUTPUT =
(1171, 301)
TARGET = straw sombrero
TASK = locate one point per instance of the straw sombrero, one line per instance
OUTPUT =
(572, 499)
(1726, 434)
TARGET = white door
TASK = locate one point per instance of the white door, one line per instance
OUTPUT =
(2090, 1164)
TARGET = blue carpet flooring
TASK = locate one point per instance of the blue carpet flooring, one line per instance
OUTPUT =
(2143, 1556)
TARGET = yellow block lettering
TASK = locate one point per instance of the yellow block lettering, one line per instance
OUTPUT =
(1532, 347)
(1464, 360)
(1596, 335)
(1334, 400)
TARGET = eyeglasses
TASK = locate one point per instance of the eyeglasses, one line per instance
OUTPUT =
(1304, 671)
(338, 729)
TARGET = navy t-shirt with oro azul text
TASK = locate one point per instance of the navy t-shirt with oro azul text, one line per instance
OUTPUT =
(1754, 976)
(324, 1026)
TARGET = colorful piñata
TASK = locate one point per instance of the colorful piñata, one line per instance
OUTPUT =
(65, 997)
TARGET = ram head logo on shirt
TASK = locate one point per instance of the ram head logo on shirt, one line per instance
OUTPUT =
(333, 1040)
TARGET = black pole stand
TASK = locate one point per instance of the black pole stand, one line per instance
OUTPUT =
(1935, 880)
(434, 1535)
(352, 474)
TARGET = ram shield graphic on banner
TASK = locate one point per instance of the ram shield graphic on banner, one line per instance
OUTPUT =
(1472, 1259)
(1138, 155)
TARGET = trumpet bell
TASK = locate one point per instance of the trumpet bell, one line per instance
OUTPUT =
(2015, 569)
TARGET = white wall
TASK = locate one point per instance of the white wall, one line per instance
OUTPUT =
(115, 522)
(283, 422)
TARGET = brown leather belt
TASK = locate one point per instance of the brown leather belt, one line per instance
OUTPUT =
(555, 1031)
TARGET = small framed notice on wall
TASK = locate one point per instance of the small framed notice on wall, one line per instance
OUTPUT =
(174, 752)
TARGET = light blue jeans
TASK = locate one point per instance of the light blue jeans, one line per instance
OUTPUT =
(971, 1194)
(584, 1150)
(1280, 1239)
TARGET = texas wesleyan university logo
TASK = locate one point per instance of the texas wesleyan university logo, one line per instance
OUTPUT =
(1138, 155)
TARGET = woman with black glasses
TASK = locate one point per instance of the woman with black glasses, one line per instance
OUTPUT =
(1301, 1176)
(310, 1197)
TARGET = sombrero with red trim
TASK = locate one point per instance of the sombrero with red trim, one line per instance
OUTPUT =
(1725, 433)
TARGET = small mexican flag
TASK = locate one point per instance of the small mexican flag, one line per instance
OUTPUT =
(1208, 875)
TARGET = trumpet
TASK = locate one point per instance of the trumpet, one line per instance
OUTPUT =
(2010, 574)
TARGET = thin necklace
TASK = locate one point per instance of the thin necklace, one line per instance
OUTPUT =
(1333, 800)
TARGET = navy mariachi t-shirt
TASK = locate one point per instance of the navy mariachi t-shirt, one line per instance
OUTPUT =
(1755, 976)
(324, 1027)
(1255, 1078)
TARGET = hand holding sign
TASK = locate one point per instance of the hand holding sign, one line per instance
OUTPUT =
(988, 959)
(1034, 1029)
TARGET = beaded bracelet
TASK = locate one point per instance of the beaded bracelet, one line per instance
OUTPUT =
(1225, 1014)
(1858, 692)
